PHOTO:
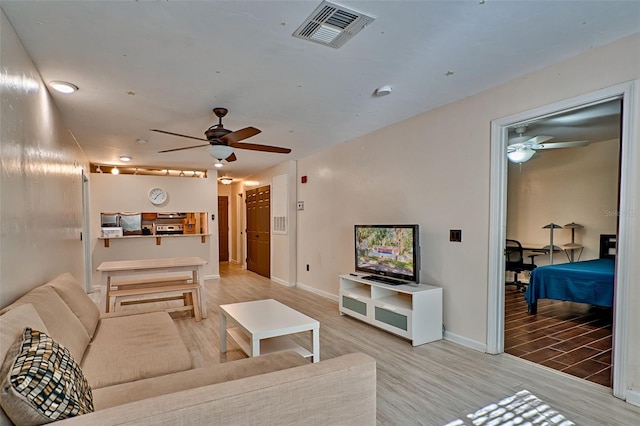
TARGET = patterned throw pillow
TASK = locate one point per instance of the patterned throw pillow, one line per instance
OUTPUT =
(41, 382)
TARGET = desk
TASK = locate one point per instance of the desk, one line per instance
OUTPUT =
(540, 248)
(119, 268)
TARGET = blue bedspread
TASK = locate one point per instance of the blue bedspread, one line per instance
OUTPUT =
(590, 282)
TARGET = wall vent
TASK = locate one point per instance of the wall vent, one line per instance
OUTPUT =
(332, 25)
(279, 225)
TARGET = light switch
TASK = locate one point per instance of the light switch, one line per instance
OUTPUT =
(455, 235)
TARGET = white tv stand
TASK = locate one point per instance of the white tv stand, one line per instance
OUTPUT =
(413, 311)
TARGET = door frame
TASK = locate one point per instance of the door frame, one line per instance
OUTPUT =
(626, 227)
(86, 232)
(227, 214)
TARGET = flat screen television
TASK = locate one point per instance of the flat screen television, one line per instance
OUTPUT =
(388, 251)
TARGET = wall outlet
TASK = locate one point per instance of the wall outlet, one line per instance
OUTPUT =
(455, 235)
(300, 205)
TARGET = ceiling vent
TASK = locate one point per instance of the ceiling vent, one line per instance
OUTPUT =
(332, 25)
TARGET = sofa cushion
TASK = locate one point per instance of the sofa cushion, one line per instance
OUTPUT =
(134, 347)
(41, 382)
(112, 396)
(63, 326)
(13, 323)
(70, 290)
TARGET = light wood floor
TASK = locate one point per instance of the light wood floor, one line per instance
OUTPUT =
(432, 384)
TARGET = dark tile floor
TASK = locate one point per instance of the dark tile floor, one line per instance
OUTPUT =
(571, 337)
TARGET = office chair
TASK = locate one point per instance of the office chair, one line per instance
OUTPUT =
(514, 262)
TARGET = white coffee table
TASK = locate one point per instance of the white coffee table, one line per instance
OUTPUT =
(263, 326)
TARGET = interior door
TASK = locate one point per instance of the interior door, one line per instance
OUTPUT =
(223, 228)
(258, 230)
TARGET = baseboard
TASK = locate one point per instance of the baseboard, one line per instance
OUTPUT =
(464, 341)
(281, 281)
(633, 397)
(313, 290)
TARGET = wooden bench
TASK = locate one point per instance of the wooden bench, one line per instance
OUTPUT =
(153, 290)
(152, 282)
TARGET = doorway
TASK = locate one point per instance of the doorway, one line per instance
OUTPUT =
(223, 228)
(258, 208)
(571, 187)
(626, 227)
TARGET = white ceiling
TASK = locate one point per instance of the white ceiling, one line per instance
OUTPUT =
(166, 64)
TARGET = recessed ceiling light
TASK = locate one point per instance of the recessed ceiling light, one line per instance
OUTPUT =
(141, 141)
(63, 86)
(125, 158)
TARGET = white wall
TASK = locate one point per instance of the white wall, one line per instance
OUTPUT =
(40, 184)
(562, 186)
(128, 193)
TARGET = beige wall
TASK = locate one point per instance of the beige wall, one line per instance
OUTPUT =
(128, 193)
(563, 186)
(41, 180)
(434, 170)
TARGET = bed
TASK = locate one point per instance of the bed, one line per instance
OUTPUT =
(589, 281)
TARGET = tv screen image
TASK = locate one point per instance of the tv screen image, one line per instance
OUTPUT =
(387, 250)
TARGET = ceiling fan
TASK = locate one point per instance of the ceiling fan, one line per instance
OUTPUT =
(521, 148)
(221, 142)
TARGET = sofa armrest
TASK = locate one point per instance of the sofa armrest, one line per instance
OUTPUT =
(335, 391)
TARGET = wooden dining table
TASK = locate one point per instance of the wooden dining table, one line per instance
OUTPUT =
(120, 268)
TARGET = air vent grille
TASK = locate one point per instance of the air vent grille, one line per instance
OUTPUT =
(332, 25)
(279, 225)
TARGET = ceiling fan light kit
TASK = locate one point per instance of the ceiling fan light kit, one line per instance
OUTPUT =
(520, 155)
(220, 152)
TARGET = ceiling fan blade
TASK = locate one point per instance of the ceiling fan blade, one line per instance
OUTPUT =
(537, 140)
(264, 148)
(231, 158)
(235, 137)
(554, 145)
(178, 134)
(180, 149)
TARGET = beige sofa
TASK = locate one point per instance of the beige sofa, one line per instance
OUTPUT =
(140, 370)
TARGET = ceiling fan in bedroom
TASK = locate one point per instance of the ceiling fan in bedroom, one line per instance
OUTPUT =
(221, 142)
(521, 148)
